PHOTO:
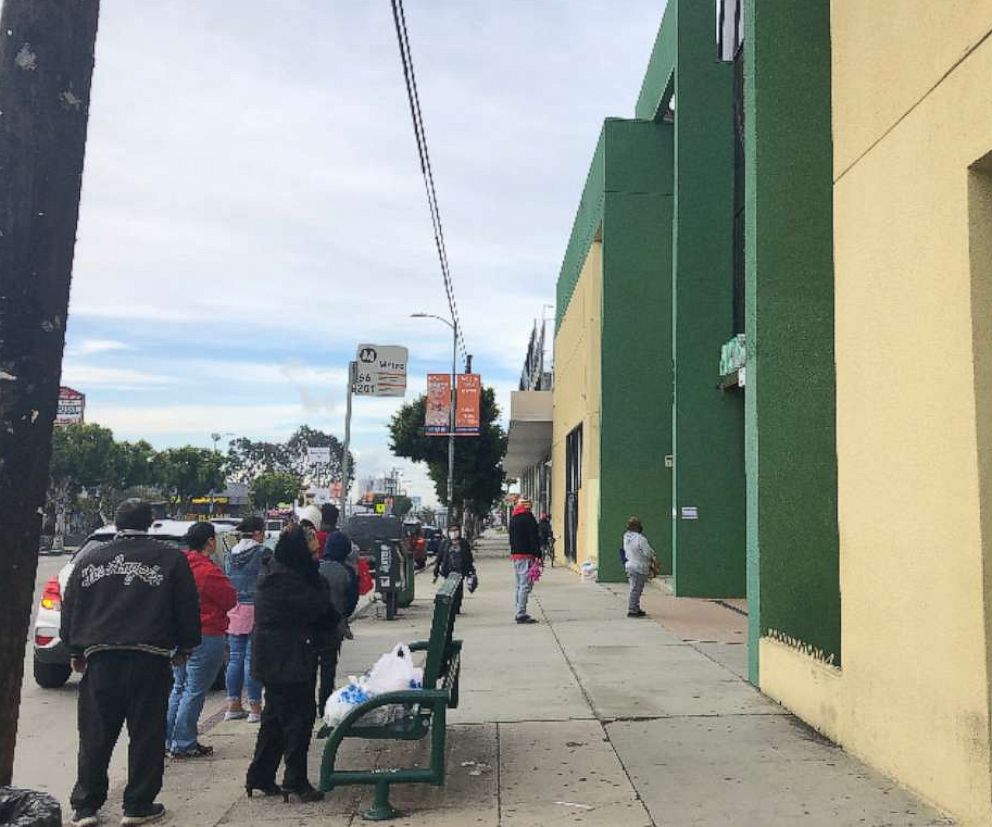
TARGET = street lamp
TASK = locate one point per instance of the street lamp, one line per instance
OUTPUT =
(451, 418)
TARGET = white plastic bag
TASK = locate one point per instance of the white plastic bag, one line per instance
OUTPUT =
(395, 671)
(345, 699)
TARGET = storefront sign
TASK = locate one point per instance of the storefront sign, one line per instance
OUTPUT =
(72, 403)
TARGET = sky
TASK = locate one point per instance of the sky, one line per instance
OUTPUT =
(253, 208)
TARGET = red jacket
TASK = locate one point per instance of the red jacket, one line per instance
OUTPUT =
(217, 594)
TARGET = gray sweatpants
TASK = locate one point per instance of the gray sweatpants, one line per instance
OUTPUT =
(637, 582)
(520, 569)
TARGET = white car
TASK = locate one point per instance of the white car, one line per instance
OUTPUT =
(51, 658)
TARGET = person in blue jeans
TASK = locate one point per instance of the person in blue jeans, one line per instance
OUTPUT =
(242, 564)
(192, 679)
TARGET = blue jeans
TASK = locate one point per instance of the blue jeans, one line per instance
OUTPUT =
(190, 683)
(520, 569)
(239, 670)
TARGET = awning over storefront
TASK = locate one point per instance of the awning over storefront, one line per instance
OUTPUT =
(531, 418)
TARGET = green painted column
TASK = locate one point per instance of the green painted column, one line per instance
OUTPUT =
(635, 423)
(708, 425)
(792, 543)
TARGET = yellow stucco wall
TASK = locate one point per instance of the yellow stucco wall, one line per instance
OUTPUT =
(577, 393)
(912, 112)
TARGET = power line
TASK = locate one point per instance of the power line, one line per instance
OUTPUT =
(413, 97)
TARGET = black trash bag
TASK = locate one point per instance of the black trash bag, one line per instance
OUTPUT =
(28, 808)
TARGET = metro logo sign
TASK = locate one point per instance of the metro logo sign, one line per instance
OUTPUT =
(380, 370)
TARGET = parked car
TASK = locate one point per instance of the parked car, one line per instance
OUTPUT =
(414, 543)
(51, 658)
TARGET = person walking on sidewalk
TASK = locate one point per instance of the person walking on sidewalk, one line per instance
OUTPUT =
(242, 565)
(640, 563)
(129, 607)
(525, 551)
(191, 680)
(338, 570)
(290, 599)
(455, 556)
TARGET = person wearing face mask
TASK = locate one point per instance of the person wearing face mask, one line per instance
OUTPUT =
(455, 555)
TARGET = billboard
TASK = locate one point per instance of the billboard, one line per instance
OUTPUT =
(72, 403)
(437, 410)
(468, 399)
(318, 456)
(380, 370)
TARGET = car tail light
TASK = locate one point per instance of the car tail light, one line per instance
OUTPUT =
(43, 640)
(51, 595)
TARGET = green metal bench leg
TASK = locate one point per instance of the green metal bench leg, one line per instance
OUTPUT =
(381, 810)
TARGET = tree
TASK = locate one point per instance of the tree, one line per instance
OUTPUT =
(306, 437)
(478, 469)
(84, 456)
(271, 488)
(247, 459)
(188, 471)
(401, 505)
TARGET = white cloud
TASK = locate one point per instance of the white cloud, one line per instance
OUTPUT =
(88, 347)
(120, 378)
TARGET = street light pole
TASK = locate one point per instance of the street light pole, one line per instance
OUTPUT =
(451, 413)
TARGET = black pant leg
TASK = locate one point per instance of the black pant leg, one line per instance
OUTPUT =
(328, 673)
(149, 686)
(271, 741)
(297, 716)
(101, 709)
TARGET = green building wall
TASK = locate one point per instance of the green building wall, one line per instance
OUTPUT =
(792, 542)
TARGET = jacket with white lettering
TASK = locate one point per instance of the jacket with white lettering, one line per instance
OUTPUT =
(135, 593)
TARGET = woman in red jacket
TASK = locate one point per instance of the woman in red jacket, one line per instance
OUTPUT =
(192, 679)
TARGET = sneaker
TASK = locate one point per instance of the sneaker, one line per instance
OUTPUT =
(84, 818)
(198, 750)
(235, 715)
(254, 718)
(638, 613)
(526, 619)
(143, 815)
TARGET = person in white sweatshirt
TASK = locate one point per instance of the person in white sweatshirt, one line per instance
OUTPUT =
(639, 558)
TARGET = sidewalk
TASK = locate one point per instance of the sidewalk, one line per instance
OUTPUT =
(586, 718)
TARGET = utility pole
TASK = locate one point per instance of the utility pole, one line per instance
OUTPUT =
(345, 456)
(46, 65)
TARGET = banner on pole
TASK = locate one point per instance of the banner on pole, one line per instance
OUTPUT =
(437, 413)
(468, 399)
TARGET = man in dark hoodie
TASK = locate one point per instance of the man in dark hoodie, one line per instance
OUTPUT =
(129, 607)
(339, 571)
(525, 549)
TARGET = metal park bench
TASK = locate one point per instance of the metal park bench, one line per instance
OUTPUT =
(425, 711)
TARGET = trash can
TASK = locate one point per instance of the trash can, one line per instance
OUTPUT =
(28, 808)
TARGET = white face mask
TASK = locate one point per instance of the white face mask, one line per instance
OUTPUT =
(454, 535)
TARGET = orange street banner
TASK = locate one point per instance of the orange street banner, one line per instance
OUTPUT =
(469, 398)
(437, 413)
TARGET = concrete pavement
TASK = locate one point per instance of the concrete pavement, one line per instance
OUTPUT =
(585, 718)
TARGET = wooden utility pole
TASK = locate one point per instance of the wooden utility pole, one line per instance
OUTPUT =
(46, 63)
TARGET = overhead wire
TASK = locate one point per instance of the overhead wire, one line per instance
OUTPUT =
(420, 134)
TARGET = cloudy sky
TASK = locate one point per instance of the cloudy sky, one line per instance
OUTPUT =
(253, 207)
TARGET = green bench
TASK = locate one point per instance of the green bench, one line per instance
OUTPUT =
(425, 712)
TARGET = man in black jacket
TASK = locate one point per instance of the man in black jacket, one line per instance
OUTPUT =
(525, 549)
(130, 609)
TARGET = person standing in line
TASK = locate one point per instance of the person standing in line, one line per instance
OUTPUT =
(129, 607)
(338, 570)
(242, 565)
(455, 556)
(546, 535)
(192, 679)
(525, 550)
(640, 560)
(311, 516)
(290, 599)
